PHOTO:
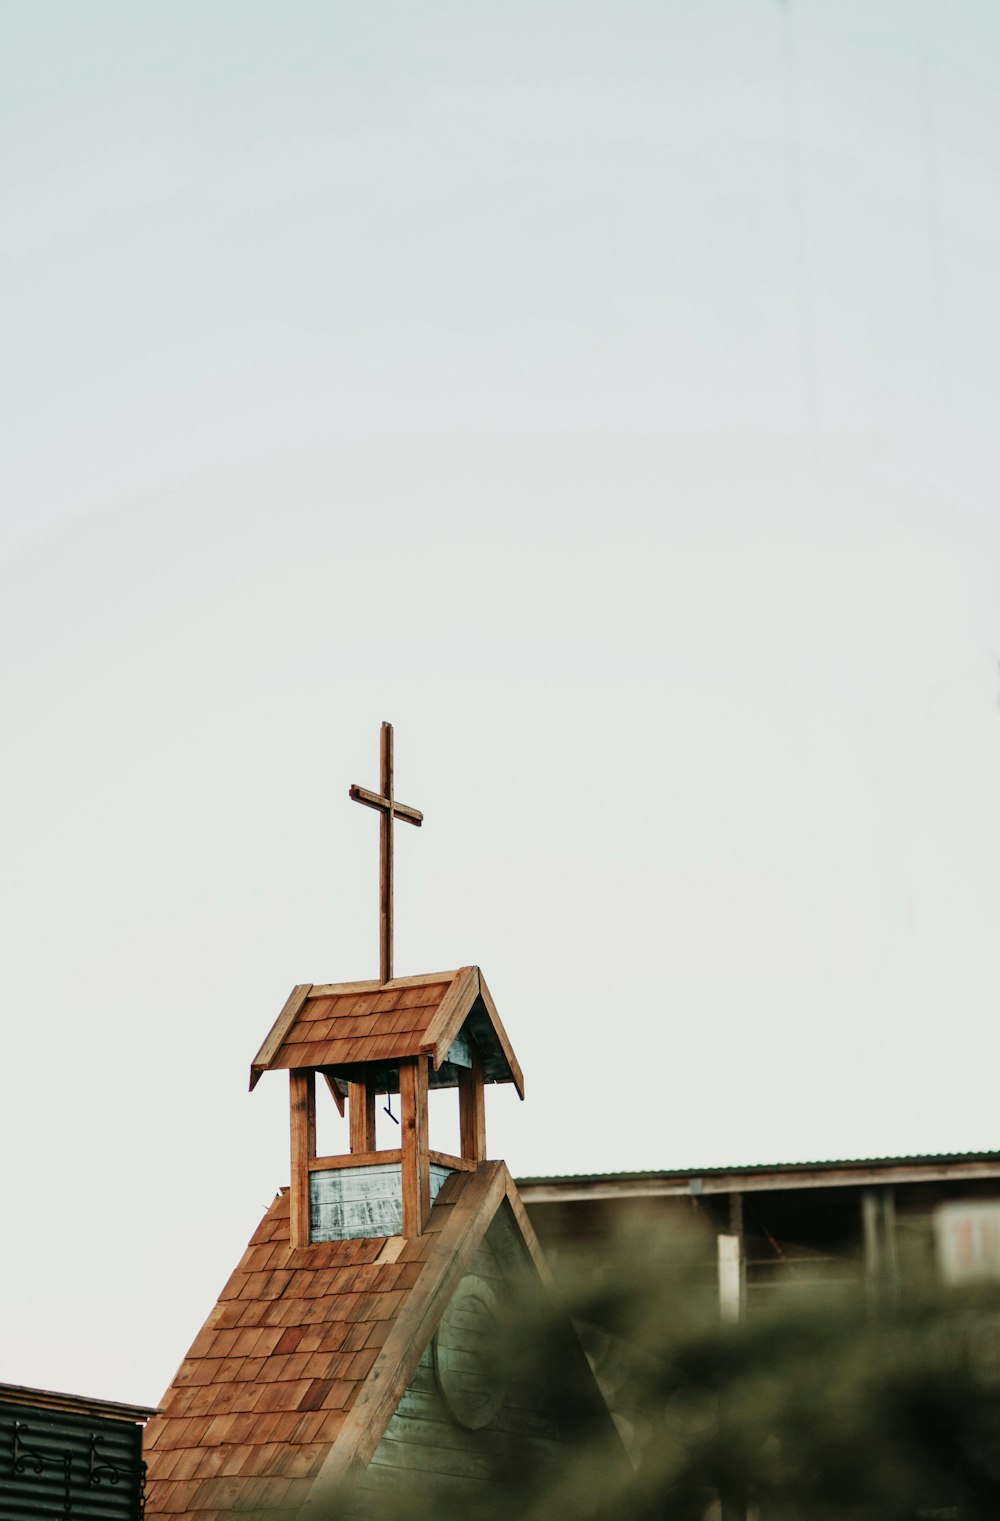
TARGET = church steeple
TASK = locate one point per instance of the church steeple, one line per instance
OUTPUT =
(397, 1035)
(347, 1362)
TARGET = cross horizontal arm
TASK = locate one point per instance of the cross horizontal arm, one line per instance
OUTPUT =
(375, 800)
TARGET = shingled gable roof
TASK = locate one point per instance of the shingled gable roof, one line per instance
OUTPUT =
(290, 1385)
(338, 1025)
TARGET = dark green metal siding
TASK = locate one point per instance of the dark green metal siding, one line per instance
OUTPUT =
(61, 1466)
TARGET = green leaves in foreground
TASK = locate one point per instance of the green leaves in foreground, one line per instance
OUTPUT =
(808, 1410)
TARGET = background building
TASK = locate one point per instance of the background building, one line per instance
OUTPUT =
(877, 1223)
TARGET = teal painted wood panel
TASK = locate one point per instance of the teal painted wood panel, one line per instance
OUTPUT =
(513, 1418)
(349, 1202)
(460, 1052)
(424, 1445)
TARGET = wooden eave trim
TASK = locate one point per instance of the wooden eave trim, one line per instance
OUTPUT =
(422, 980)
(407, 1341)
(280, 1028)
(527, 1230)
(451, 1014)
(78, 1404)
(501, 1034)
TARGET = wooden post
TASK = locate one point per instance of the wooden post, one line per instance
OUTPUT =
(878, 1227)
(361, 1115)
(416, 1160)
(732, 1264)
(302, 1094)
(472, 1109)
(732, 1307)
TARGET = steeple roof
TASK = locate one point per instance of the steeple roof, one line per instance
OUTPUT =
(340, 1026)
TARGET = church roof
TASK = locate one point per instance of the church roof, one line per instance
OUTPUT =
(344, 1024)
(289, 1386)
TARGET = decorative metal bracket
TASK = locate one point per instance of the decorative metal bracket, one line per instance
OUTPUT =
(32, 1460)
(101, 1469)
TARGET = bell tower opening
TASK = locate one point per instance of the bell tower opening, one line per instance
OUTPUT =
(372, 1047)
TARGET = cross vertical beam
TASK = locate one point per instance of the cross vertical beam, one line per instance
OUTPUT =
(385, 856)
(389, 811)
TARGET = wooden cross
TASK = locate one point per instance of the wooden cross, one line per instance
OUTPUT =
(389, 810)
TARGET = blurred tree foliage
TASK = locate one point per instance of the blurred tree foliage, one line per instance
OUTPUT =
(810, 1410)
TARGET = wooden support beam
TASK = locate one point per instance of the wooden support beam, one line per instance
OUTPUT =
(361, 1115)
(416, 1159)
(732, 1307)
(454, 1164)
(334, 1087)
(472, 1108)
(357, 1159)
(385, 1159)
(302, 1095)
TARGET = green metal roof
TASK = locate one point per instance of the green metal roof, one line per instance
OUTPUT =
(923, 1159)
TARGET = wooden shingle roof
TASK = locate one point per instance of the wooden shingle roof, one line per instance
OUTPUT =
(289, 1386)
(338, 1026)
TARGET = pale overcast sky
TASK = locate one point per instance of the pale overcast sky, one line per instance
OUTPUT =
(606, 394)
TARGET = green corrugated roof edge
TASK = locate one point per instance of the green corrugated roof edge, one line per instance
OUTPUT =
(928, 1159)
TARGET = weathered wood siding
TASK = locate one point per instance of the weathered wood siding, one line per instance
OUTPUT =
(349, 1202)
(424, 1444)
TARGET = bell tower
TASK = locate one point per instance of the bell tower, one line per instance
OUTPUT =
(399, 1035)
